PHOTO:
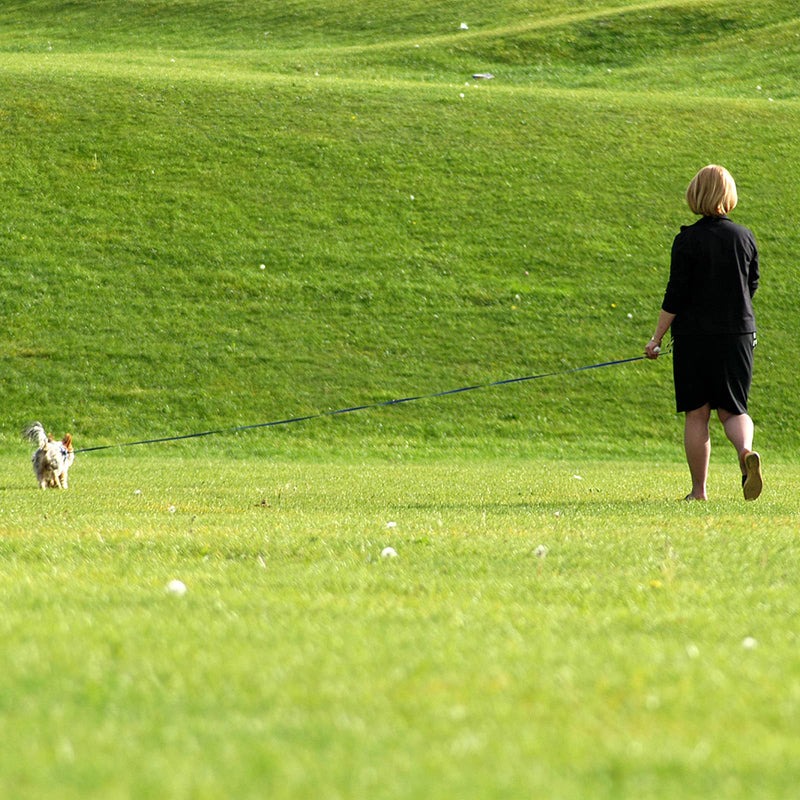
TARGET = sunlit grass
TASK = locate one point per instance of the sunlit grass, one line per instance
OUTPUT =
(219, 214)
(634, 644)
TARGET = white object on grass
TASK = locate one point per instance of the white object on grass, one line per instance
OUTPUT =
(388, 552)
(176, 587)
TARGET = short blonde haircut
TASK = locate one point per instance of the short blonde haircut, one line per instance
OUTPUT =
(712, 192)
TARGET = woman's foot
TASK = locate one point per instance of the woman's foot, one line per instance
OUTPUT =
(752, 481)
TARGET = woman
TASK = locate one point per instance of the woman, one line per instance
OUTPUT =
(708, 305)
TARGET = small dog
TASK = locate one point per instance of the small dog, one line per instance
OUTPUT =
(51, 462)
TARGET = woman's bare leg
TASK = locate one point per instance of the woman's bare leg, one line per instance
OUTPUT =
(739, 430)
(697, 443)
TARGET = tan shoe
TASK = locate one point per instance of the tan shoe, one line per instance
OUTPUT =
(752, 482)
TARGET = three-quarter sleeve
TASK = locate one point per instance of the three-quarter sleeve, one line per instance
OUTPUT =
(675, 296)
(753, 275)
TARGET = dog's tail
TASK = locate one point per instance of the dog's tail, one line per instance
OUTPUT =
(36, 433)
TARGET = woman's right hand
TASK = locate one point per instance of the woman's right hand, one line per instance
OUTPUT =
(652, 349)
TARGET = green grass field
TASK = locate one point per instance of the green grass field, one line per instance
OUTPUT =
(220, 214)
(539, 634)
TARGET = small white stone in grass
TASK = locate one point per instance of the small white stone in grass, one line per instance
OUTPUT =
(176, 587)
(749, 643)
(388, 552)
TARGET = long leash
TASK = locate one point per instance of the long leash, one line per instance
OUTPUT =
(321, 414)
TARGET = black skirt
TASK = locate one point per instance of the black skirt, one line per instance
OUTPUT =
(713, 369)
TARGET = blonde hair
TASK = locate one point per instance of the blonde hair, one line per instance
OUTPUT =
(712, 192)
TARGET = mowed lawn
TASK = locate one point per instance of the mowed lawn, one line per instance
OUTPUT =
(546, 629)
(220, 213)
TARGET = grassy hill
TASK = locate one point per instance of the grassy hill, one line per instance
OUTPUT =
(224, 213)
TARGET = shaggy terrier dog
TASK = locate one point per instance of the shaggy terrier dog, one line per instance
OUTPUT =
(52, 460)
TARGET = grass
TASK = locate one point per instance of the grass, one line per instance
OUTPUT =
(377, 298)
(302, 663)
(226, 213)
(152, 182)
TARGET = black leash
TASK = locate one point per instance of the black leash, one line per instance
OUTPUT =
(321, 414)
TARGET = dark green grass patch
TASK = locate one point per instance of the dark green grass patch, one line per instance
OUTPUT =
(209, 238)
(410, 243)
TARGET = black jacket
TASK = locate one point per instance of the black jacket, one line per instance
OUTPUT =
(713, 277)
